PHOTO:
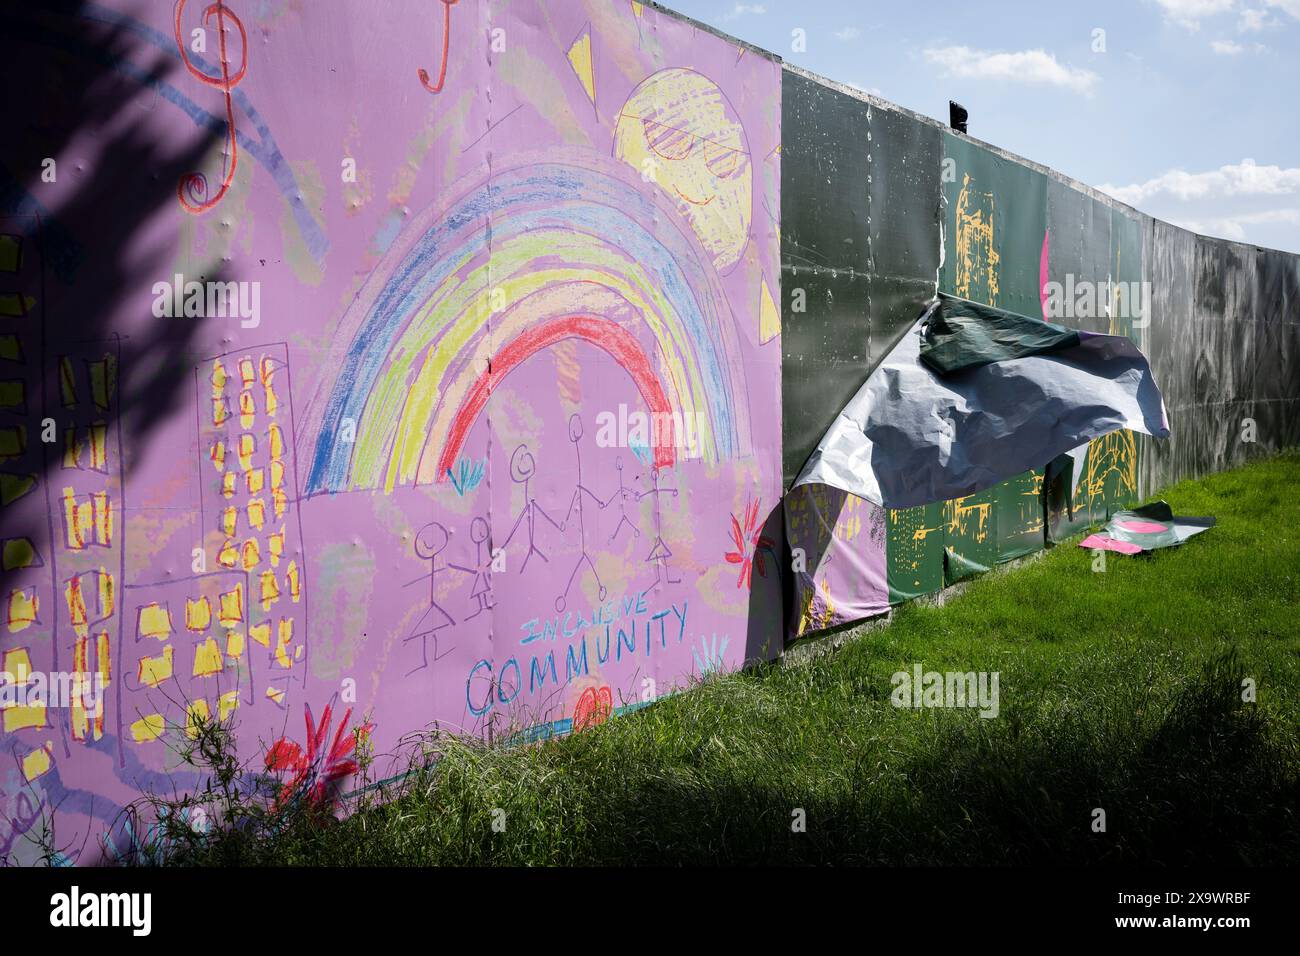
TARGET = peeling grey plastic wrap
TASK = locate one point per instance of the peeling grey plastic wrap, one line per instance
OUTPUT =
(910, 437)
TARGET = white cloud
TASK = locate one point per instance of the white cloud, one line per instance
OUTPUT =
(848, 33)
(1230, 48)
(1244, 179)
(743, 9)
(1027, 66)
(1189, 13)
(1235, 227)
(1289, 7)
(1254, 21)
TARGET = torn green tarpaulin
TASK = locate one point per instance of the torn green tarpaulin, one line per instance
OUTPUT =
(912, 436)
(1145, 529)
(962, 334)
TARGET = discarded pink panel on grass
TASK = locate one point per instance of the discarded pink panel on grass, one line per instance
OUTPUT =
(1148, 528)
(1105, 543)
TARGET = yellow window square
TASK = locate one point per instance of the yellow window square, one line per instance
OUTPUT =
(19, 553)
(154, 620)
(207, 659)
(218, 378)
(232, 607)
(277, 442)
(228, 556)
(37, 762)
(152, 671)
(148, 728)
(198, 614)
(227, 703)
(270, 589)
(197, 712)
(23, 608)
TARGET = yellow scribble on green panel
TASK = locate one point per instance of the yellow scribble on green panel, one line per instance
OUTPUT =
(968, 520)
(913, 551)
(1110, 474)
(977, 256)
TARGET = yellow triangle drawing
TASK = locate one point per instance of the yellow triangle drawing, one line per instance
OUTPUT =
(580, 60)
(637, 9)
(769, 317)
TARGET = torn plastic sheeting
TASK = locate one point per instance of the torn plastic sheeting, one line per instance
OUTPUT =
(964, 335)
(911, 436)
(1145, 529)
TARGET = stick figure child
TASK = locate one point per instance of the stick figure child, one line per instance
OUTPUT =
(622, 494)
(659, 551)
(482, 570)
(575, 504)
(430, 542)
(522, 468)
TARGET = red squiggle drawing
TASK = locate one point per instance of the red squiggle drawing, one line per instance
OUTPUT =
(192, 190)
(446, 44)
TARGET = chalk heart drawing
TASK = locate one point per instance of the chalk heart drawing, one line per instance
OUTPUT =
(680, 125)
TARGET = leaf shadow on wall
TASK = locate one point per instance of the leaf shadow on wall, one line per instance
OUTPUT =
(87, 95)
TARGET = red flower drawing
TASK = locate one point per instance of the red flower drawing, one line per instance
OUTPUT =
(750, 543)
(316, 770)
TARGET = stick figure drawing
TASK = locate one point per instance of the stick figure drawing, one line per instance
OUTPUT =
(430, 542)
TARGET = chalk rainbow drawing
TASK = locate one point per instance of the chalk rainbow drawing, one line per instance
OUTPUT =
(574, 254)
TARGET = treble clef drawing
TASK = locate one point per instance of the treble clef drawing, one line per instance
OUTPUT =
(192, 190)
(446, 44)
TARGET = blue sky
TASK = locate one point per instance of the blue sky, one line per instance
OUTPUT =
(1191, 113)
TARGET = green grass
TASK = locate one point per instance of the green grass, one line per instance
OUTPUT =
(1119, 690)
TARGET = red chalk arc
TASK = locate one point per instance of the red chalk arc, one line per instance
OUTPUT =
(608, 336)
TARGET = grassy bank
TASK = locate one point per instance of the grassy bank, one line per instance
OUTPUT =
(1119, 691)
